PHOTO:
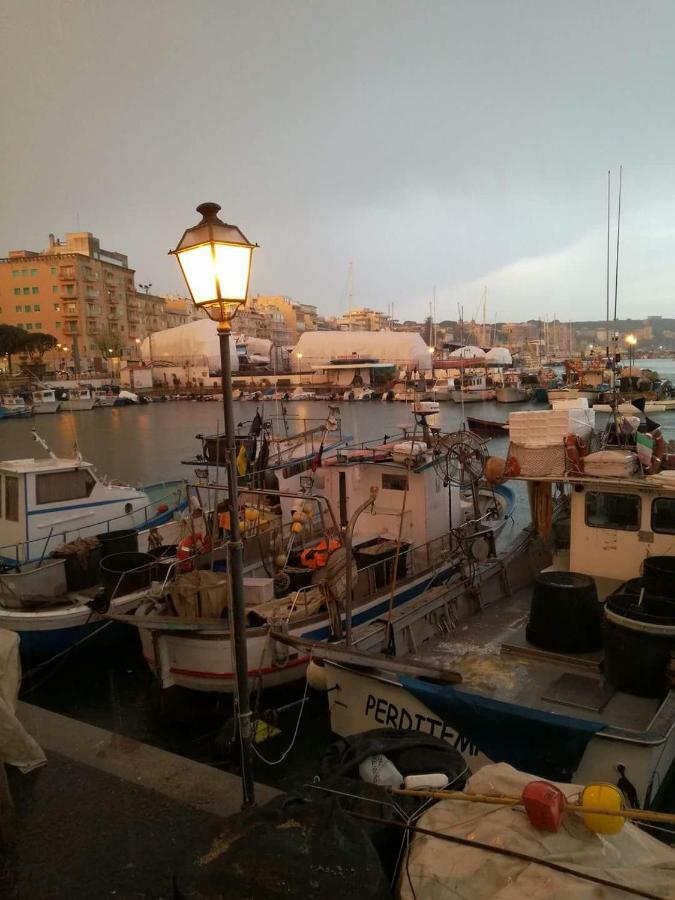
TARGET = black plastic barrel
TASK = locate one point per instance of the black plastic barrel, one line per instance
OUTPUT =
(82, 569)
(565, 615)
(638, 641)
(124, 540)
(659, 575)
(377, 555)
(124, 573)
(165, 557)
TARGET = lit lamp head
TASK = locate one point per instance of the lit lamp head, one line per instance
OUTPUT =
(215, 260)
(631, 340)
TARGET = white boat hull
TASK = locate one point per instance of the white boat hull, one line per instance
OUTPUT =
(203, 660)
(359, 701)
(78, 405)
(51, 406)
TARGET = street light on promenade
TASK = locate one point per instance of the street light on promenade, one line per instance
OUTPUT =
(215, 259)
(631, 340)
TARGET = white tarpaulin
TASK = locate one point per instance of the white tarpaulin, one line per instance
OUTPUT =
(468, 352)
(17, 747)
(196, 343)
(500, 356)
(400, 348)
(440, 870)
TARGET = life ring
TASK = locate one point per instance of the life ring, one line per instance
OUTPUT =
(316, 557)
(190, 546)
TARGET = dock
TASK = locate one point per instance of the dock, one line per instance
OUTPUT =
(108, 815)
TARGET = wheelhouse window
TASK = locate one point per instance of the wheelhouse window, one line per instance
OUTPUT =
(55, 487)
(620, 512)
(663, 515)
(392, 482)
(11, 498)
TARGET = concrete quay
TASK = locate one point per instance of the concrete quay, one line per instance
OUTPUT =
(108, 816)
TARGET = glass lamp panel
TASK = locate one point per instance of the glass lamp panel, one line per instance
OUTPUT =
(197, 263)
(232, 266)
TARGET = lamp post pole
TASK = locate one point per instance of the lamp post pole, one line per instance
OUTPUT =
(235, 552)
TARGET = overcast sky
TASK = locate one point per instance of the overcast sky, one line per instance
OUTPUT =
(444, 144)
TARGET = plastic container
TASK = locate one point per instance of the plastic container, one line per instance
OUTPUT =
(565, 615)
(125, 573)
(659, 575)
(602, 796)
(299, 576)
(638, 639)
(124, 540)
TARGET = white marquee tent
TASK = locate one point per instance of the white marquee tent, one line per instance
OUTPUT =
(404, 349)
(196, 343)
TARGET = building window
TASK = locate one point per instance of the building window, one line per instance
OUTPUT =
(619, 512)
(17, 291)
(27, 309)
(57, 307)
(55, 289)
(57, 325)
(36, 307)
(15, 273)
(56, 487)
(33, 272)
(29, 326)
(24, 272)
(38, 326)
(11, 498)
(26, 290)
(18, 308)
(53, 270)
(70, 288)
(394, 482)
(35, 290)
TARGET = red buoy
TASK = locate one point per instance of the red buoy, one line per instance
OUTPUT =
(544, 804)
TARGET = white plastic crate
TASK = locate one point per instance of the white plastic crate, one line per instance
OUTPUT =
(538, 428)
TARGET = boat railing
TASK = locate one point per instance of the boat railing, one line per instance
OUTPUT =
(21, 551)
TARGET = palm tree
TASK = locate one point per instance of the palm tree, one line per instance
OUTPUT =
(12, 340)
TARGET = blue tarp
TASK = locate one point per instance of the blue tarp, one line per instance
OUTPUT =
(546, 744)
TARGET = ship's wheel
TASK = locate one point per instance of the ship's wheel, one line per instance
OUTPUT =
(459, 458)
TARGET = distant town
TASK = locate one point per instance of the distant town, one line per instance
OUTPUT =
(83, 312)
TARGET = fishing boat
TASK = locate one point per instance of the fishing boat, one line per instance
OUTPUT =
(76, 399)
(385, 507)
(473, 388)
(104, 397)
(487, 427)
(512, 390)
(564, 674)
(14, 407)
(358, 393)
(52, 503)
(44, 401)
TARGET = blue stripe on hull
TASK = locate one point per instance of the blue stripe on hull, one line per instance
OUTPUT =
(41, 645)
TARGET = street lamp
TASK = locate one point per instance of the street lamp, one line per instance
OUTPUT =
(299, 355)
(631, 340)
(215, 259)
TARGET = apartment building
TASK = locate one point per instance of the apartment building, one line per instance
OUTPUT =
(363, 319)
(78, 292)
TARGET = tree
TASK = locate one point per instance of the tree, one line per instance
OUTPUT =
(12, 340)
(108, 341)
(38, 343)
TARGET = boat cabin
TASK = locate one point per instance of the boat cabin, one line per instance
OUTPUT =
(416, 495)
(47, 502)
(616, 523)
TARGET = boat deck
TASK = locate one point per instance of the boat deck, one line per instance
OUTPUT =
(496, 660)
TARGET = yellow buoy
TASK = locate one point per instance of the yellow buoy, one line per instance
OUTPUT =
(297, 527)
(316, 676)
(280, 560)
(308, 508)
(251, 515)
(297, 516)
(602, 796)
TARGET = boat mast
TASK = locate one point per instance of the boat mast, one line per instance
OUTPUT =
(350, 292)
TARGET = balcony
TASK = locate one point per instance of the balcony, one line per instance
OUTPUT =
(88, 275)
(67, 274)
(93, 309)
(90, 294)
(133, 319)
(72, 328)
(70, 311)
(114, 314)
(133, 304)
(112, 297)
(68, 296)
(93, 328)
